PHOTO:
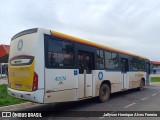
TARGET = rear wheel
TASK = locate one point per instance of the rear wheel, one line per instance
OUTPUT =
(141, 85)
(104, 93)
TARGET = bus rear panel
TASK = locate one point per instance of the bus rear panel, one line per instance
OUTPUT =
(26, 66)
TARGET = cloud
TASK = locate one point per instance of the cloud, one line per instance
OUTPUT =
(130, 25)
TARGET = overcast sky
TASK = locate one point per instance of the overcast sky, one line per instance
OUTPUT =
(129, 25)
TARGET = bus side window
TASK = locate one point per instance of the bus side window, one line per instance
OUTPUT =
(50, 58)
(133, 64)
(100, 59)
(60, 53)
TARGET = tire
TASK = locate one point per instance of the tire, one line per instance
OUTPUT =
(141, 88)
(104, 93)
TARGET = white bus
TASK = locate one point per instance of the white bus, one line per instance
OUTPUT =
(47, 66)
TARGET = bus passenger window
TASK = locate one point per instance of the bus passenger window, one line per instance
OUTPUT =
(67, 47)
(68, 59)
(100, 59)
(60, 53)
(133, 63)
(111, 61)
(50, 58)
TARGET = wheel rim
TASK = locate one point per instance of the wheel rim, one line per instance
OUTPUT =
(105, 93)
(142, 86)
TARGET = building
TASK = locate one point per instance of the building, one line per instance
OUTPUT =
(155, 67)
(4, 53)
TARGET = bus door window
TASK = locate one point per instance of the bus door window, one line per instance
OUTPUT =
(85, 63)
(81, 63)
(88, 64)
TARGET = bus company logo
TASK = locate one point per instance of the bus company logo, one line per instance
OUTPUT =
(100, 75)
(20, 45)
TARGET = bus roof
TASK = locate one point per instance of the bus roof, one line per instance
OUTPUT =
(86, 42)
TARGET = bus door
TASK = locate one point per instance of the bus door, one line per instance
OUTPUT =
(85, 64)
(124, 70)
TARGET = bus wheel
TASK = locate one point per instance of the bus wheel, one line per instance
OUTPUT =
(104, 93)
(141, 85)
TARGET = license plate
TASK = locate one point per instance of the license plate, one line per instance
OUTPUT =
(18, 85)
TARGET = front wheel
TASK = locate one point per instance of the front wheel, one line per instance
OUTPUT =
(104, 93)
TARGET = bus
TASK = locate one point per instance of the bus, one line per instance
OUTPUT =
(46, 66)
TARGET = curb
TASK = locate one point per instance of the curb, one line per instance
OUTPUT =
(19, 106)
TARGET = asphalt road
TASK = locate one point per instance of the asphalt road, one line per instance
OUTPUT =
(132, 100)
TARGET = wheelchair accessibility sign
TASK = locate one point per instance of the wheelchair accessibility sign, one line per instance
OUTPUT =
(100, 75)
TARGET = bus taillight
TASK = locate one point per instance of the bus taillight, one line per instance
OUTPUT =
(35, 82)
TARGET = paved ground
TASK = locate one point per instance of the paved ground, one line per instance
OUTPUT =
(133, 100)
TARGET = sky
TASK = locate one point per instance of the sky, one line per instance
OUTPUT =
(129, 25)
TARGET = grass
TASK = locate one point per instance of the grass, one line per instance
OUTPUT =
(155, 79)
(6, 99)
